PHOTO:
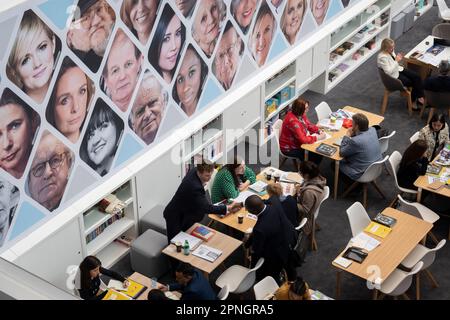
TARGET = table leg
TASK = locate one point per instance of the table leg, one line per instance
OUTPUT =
(338, 284)
(419, 195)
(306, 155)
(336, 178)
(206, 274)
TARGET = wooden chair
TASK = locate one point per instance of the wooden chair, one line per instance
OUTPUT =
(441, 30)
(436, 100)
(391, 85)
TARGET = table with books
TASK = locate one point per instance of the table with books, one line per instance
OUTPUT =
(204, 255)
(287, 181)
(147, 282)
(329, 147)
(437, 178)
(381, 248)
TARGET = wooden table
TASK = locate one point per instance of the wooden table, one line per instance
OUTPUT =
(140, 278)
(374, 119)
(231, 220)
(219, 241)
(404, 237)
(422, 184)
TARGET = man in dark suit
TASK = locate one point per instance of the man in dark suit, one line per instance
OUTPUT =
(441, 82)
(190, 204)
(192, 283)
(271, 237)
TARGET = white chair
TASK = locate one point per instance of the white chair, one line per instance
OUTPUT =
(394, 160)
(399, 282)
(277, 127)
(420, 211)
(358, 218)
(209, 185)
(223, 293)
(427, 256)
(323, 111)
(444, 11)
(265, 289)
(384, 142)
(369, 176)
(238, 278)
(301, 224)
(414, 137)
(326, 195)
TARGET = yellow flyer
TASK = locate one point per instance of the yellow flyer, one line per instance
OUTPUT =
(378, 229)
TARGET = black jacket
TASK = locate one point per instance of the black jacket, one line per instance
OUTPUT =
(189, 205)
(197, 289)
(407, 174)
(90, 293)
(437, 84)
(289, 205)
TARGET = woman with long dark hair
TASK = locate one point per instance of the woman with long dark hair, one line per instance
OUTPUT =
(414, 164)
(90, 271)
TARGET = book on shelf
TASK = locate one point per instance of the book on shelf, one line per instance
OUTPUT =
(125, 240)
(207, 253)
(348, 45)
(111, 205)
(285, 94)
(342, 67)
(99, 230)
(202, 233)
(182, 236)
(271, 106)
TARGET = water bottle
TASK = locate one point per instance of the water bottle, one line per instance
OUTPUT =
(186, 247)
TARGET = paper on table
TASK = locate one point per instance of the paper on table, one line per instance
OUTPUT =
(364, 241)
(430, 59)
(243, 196)
(115, 284)
(252, 216)
(326, 123)
(327, 136)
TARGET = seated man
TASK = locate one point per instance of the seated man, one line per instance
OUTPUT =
(441, 82)
(271, 237)
(190, 204)
(289, 203)
(192, 283)
(359, 148)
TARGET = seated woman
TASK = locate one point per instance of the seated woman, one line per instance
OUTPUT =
(297, 130)
(232, 179)
(309, 193)
(389, 62)
(90, 270)
(288, 202)
(414, 164)
(293, 290)
(435, 134)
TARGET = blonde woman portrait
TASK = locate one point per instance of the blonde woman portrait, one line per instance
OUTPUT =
(292, 19)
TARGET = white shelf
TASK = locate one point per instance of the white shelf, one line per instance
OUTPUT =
(424, 10)
(282, 81)
(112, 254)
(93, 219)
(355, 48)
(279, 109)
(200, 148)
(108, 235)
(125, 195)
(266, 139)
(217, 157)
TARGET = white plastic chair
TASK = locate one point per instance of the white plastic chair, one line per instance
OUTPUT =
(223, 293)
(277, 127)
(427, 256)
(209, 185)
(384, 142)
(301, 224)
(414, 137)
(399, 282)
(326, 195)
(394, 160)
(358, 218)
(323, 111)
(369, 176)
(444, 11)
(265, 289)
(238, 278)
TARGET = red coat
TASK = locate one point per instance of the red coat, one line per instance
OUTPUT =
(294, 133)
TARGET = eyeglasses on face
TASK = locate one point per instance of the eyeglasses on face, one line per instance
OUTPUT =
(228, 52)
(54, 163)
(99, 9)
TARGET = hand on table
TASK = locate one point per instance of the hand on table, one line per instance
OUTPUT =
(126, 283)
(322, 135)
(234, 207)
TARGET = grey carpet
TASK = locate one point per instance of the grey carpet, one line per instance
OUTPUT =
(361, 89)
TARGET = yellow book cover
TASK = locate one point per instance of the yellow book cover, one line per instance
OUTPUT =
(115, 295)
(378, 229)
(134, 289)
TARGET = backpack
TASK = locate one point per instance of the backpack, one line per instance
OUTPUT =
(381, 131)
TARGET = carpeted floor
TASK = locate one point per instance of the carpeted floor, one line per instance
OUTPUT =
(362, 89)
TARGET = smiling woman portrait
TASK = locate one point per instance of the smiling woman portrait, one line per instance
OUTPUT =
(33, 57)
(18, 127)
(262, 34)
(243, 12)
(292, 19)
(102, 138)
(70, 99)
(139, 16)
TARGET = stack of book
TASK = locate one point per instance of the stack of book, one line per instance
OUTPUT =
(94, 234)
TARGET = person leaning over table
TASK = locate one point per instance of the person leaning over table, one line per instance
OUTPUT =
(441, 82)
(192, 283)
(359, 148)
(90, 271)
(297, 130)
(414, 164)
(309, 193)
(435, 134)
(389, 62)
(190, 204)
(289, 203)
(232, 179)
(293, 290)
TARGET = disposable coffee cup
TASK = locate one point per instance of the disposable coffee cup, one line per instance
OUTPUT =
(276, 177)
(269, 176)
(179, 246)
(240, 218)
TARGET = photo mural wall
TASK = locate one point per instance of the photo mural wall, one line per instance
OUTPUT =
(88, 85)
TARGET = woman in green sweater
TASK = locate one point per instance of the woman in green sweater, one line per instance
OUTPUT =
(232, 179)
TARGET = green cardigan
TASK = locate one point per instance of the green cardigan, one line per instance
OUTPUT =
(223, 185)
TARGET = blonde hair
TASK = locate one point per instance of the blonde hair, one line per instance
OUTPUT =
(386, 44)
(283, 17)
(274, 189)
(30, 28)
